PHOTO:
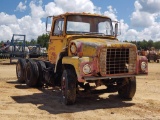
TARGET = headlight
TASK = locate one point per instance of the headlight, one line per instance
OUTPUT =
(73, 48)
(86, 69)
(143, 66)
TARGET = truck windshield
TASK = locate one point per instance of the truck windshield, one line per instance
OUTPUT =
(81, 24)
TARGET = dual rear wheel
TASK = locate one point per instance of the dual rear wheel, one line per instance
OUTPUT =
(29, 72)
(32, 73)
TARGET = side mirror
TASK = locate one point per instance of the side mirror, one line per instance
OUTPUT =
(116, 29)
(47, 20)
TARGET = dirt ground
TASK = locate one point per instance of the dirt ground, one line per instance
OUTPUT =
(18, 102)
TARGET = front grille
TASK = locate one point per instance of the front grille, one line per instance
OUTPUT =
(117, 61)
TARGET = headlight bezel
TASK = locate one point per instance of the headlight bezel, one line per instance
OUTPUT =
(143, 66)
(86, 69)
(73, 48)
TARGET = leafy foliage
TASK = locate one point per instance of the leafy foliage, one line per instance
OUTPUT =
(43, 40)
(1, 43)
(146, 45)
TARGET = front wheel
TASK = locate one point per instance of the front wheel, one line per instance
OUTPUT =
(128, 90)
(68, 86)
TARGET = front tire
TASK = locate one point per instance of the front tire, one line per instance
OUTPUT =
(68, 86)
(127, 91)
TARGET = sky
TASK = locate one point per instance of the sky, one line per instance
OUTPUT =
(139, 19)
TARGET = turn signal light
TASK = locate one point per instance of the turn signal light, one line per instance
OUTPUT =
(80, 54)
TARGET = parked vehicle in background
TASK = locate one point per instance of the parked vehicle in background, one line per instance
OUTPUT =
(36, 51)
(15, 48)
(4, 51)
(152, 55)
(84, 50)
(18, 47)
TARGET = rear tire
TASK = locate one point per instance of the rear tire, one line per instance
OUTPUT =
(128, 90)
(31, 73)
(20, 70)
(68, 86)
(41, 66)
(157, 61)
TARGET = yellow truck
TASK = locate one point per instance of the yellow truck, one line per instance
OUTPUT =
(84, 53)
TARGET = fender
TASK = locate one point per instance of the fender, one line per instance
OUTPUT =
(78, 64)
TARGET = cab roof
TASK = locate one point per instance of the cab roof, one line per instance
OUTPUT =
(83, 13)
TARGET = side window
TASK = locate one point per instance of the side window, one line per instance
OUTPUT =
(58, 27)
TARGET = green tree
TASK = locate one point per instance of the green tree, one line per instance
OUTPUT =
(27, 43)
(146, 45)
(150, 44)
(43, 40)
(1, 43)
(156, 45)
(33, 42)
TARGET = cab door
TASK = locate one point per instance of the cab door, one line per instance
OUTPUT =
(56, 40)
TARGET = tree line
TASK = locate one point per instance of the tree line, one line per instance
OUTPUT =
(146, 45)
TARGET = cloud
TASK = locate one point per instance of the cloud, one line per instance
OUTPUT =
(6, 32)
(150, 6)
(52, 9)
(31, 27)
(36, 10)
(111, 13)
(131, 35)
(21, 7)
(150, 33)
(146, 13)
(145, 19)
(76, 5)
(7, 19)
(142, 19)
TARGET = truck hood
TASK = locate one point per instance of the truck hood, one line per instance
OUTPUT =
(92, 46)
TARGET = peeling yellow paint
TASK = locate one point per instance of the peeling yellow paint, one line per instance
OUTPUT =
(54, 49)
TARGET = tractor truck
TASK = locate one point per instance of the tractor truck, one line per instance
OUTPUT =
(83, 54)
